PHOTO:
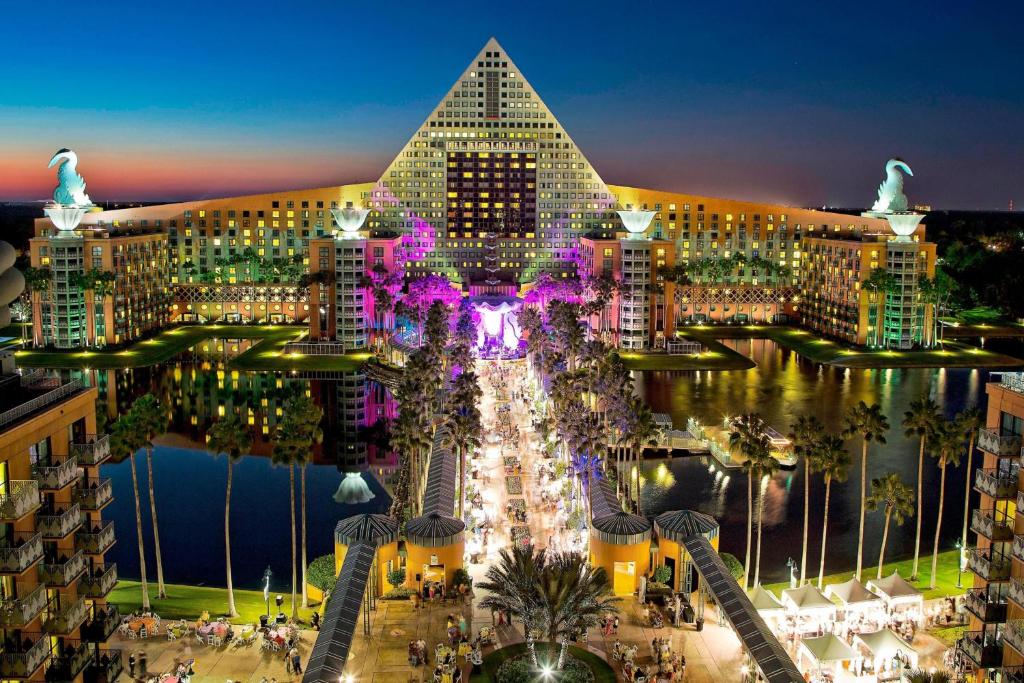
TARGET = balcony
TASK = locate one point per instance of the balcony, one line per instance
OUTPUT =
(21, 662)
(17, 499)
(1001, 484)
(983, 648)
(996, 526)
(988, 608)
(64, 619)
(97, 540)
(56, 477)
(106, 667)
(94, 451)
(992, 441)
(103, 621)
(93, 495)
(19, 612)
(1005, 674)
(100, 582)
(1016, 591)
(1018, 547)
(1013, 634)
(69, 660)
(57, 524)
(19, 553)
(988, 566)
(62, 572)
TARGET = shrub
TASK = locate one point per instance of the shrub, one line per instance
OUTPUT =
(734, 565)
(520, 670)
(396, 577)
(399, 593)
(321, 573)
(662, 573)
(460, 575)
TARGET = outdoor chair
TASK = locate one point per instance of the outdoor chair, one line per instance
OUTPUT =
(211, 639)
(132, 635)
(199, 639)
(170, 635)
(143, 634)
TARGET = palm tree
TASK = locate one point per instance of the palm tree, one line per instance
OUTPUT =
(948, 444)
(307, 416)
(805, 433)
(151, 421)
(231, 437)
(879, 282)
(923, 676)
(288, 447)
(970, 421)
(870, 424)
(747, 433)
(833, 462)
(642, 431)
(766, 467)
(463, 436)
(576, 597)
(512, 584)
(920, 421)
(890, 494)
(124, 443)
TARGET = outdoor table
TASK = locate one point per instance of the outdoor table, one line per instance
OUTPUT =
(279, 636)
(217, 628)
(169, 679)
(138, 623)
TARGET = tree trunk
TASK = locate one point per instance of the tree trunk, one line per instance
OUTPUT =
(227, 541)
(760, 517)
(562, 652)
(291, 492)
(938, 522)
(824, 532)
(807, 508)
(967, 497)
(462, 483)
(302, 480)
(138, 530)
(531, 647)
(750, 525)
(160, 590)
(885, 537)
(920, 479)
(863, 502)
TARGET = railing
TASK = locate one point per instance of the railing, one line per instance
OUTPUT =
(19, 612)
(988, 566)
(18, 498)
(983, 648)
(1007, 446)
(28, 407)
(53, 478)
(94, 451)
(62, 573)
(26, 550)
(93, 496)
(981, 604)
(1013, 634)
(96, 542)
(57, 525)
(102, 623)
(72, 660)
(1005, 674)
(105, 667)
(1014, 381)
(100, 582)
(997, 483)
(1016, 591)
(67, 617)
(24, 664)
(985, 523)
(1018, 547)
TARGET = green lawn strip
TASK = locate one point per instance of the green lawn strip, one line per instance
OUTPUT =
(546, 652)
(948, 635)
(944, 586)
(1000, 329)
(188, 602)
(269, 355)
(716, 356)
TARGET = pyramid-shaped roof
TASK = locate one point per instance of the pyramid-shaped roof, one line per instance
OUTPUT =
(895, 587)
(828, 648)
(806, 598)
(851, 592)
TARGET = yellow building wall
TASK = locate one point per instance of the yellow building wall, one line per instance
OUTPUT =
(607, 554)
(418, 557)
(385, 553)
(670, 549)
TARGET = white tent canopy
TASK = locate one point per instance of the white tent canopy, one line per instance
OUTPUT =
(765, 602)
(827, 648)
(883, 645)
(807, 600)
(852, 595)
(895, 590)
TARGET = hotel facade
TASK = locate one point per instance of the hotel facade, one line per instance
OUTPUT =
(490, 191)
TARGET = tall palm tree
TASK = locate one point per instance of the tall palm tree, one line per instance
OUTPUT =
(834, 464)
(124, 443)
(288, 446)
(879, 283)
(869, 424)
(948, 444)
(307, 416)
(970, 421)
(766, 468)
(512, 585)
(642, 431)
(747, 433)
(895, 499)
(151, 421)
(805, 433)
(575, 596)
(231, 437)
(920, 421)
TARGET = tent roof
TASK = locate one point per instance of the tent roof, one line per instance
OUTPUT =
(807, 597)
(894, 587)
(885, 643)
(434, 530)
(677, 525)
(379, 529)
(827, 648)
(622, 528)
(764, 600)
(851, 592)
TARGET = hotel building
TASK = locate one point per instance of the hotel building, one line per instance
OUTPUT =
(54, 580)
(490, 191)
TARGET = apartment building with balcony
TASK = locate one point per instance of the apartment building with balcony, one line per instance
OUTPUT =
(994, 642)
(54, 579)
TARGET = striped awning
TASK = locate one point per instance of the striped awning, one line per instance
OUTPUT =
(603, 501)
(621, 528)
(678, 525)
(376, 529)
(439, 493)
(434, 530)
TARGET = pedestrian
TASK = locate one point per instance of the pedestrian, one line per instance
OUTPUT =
(315, 619)
(296, 661)
(131, 665)
(142, 663)
(615, 626)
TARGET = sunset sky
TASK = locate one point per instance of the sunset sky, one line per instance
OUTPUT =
(798, 103)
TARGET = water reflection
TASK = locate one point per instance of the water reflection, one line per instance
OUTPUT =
(782, 386)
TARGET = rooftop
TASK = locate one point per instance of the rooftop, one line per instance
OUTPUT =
(22, 395)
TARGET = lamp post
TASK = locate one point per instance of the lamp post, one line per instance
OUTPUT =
(959, 562)
(791, 563)
(266, 589)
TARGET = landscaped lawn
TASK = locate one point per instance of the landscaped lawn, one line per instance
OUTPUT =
(188, 602)
(946, 584)
(546, 652)
(717, 356)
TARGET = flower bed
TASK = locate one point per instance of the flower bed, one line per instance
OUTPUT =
(514, 486)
